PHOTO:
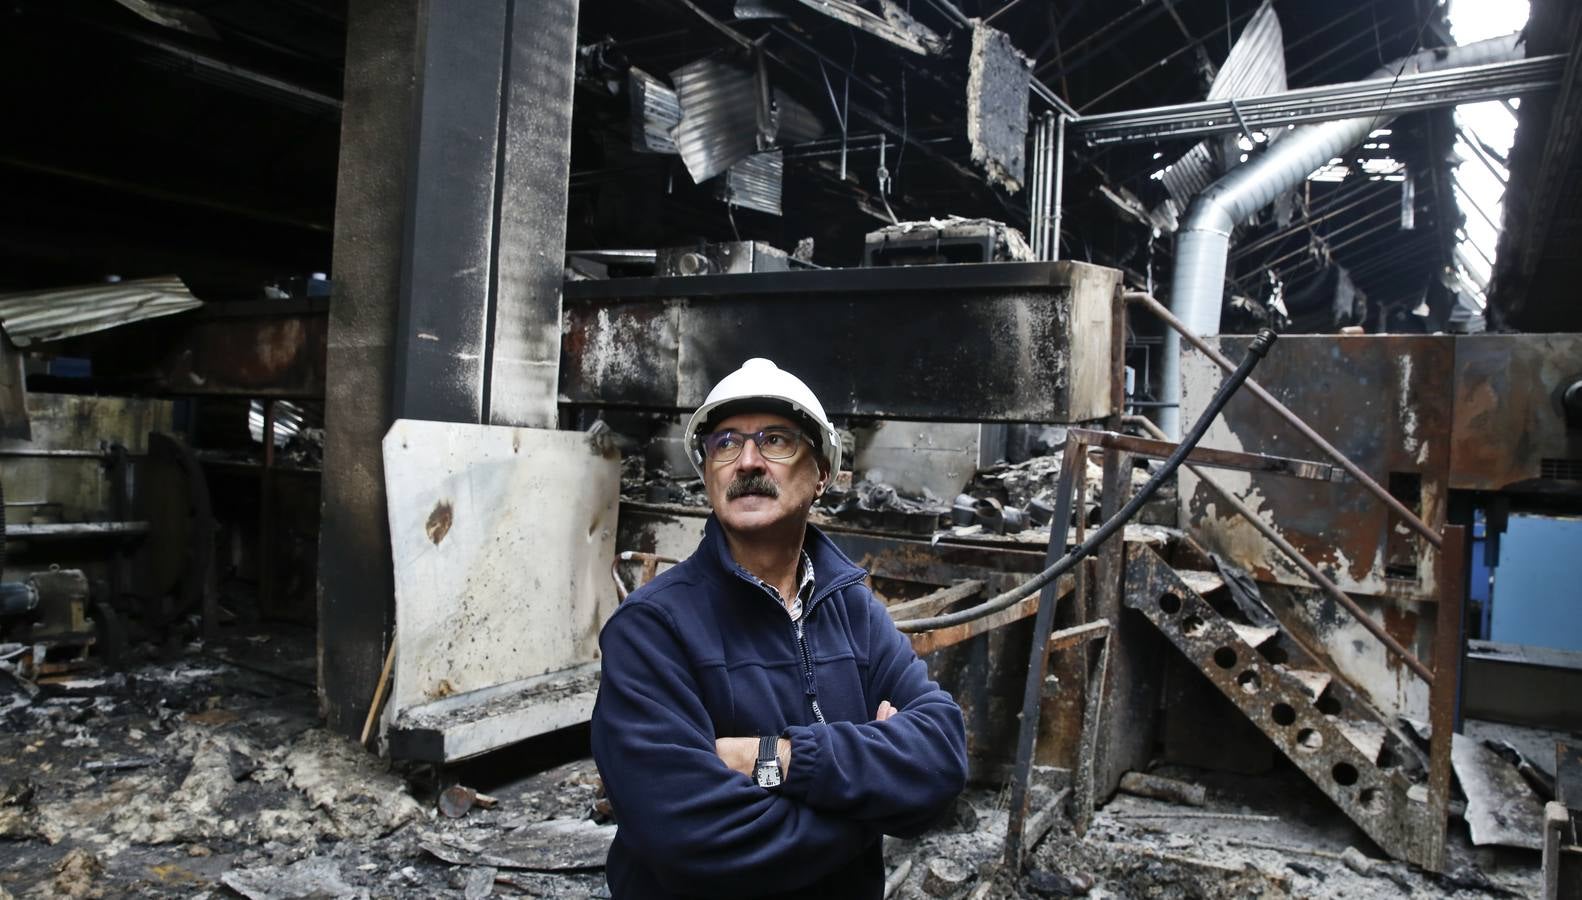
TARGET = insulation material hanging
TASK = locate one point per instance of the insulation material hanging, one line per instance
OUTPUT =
(999, 79)
(1254, 68)
(755, 182)
(655, 113)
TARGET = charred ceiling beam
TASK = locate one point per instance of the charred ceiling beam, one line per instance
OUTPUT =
(1378, 96)
(224, 72)
(1127, 22)
(860, 110)
(155, 192)
(1144, 71)
(1561, 150)
(1348, 197)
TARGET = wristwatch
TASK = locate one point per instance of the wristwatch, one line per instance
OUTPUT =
(767, 770)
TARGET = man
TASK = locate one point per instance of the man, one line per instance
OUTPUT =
(760, 722)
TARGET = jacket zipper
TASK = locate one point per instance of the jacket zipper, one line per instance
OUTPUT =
(811, 687)
(811, 681)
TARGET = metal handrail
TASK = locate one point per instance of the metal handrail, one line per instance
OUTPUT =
(1300, 561)
(1291, 418)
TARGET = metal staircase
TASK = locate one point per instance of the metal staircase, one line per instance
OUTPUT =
(1351, 751)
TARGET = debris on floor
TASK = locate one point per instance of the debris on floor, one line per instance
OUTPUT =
(1501, 807)
(203, 777)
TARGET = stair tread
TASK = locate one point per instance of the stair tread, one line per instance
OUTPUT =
(1203, 583)
(1367, 737)
(1253, 635)
(1393, 804)
(1312, 682)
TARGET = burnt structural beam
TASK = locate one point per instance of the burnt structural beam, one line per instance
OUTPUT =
(449, 239)
(1378, 96)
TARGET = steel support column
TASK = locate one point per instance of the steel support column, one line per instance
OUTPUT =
(449, 237)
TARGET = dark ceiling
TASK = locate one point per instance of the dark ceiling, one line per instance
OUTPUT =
(205, 143)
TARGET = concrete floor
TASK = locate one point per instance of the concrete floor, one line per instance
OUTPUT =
(206, 777)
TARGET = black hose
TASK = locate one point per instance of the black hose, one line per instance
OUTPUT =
(1255, 351)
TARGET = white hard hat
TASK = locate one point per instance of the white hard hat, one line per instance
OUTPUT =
(761, 379)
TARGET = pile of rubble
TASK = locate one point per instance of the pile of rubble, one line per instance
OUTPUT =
(211, 778)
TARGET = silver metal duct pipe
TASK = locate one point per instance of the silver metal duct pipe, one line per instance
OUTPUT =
(1048, 172)
(1197, 287)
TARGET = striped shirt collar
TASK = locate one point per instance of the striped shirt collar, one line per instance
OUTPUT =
(804, 588)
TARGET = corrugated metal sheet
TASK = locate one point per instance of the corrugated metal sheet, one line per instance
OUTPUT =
(720, 117)
(1188, 176)
(755, 182)
(289, 421)
(1256, 64)
(655, 113)
(1255, 67)
(38, 316)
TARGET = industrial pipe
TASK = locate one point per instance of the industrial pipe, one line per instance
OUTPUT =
(1197, 287)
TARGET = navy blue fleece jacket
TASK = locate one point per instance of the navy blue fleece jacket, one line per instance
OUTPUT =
(702, 652)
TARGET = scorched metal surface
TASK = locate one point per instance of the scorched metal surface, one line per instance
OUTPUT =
(1001, 342)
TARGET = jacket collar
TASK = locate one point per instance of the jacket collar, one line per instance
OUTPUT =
(831, 568)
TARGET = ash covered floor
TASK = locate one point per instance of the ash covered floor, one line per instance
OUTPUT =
(211, 776)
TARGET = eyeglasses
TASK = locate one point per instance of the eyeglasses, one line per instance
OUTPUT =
(775, 443)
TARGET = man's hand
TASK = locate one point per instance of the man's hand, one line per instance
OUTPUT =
(740, 754)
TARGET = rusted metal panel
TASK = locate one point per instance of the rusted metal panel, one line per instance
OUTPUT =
(241, 349)
(13, 393)
(1129, 722)
(1382, 400)
(1509, 422)
(1003, 342)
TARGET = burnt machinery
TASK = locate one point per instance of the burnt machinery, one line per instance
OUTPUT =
(1022, 342)
(88, 578)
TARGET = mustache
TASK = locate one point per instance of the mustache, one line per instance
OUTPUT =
(746, 485)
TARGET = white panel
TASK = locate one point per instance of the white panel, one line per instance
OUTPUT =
(502, 540)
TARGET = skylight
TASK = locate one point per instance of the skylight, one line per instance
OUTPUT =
(1485, 132)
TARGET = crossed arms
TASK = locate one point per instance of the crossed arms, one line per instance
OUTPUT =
(679, 789)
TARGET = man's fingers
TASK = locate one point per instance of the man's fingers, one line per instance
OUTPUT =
(885, 711)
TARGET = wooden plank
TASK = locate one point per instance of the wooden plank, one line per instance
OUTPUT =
(928, 641)
(1080, 634)
(936, 602)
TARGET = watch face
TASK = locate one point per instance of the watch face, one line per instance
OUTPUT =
(768, 775)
